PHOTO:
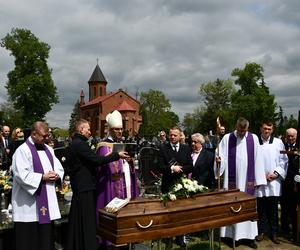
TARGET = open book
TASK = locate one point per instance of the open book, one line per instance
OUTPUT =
(116, 204)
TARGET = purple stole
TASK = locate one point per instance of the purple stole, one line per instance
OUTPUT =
(41, 193)
(232, 162)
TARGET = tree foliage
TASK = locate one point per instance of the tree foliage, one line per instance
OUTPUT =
(30, 86)
(253, 100)
(248, 77)
(156, 113)
(217, 99)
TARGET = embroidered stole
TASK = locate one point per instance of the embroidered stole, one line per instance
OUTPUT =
(41, 193)
(232, 162)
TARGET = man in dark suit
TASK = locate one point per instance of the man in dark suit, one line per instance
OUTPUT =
(82, 163)
(203, 162)
(6, 140)
(175, 160)
(290, 196)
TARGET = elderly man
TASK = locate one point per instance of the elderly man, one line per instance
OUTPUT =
(203, 162)
(6, 140)
(6, 137)
(290, 195)
(242, 165)
(275, 166)
(34, 200)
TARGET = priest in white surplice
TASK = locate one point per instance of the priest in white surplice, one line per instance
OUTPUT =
(242, 166)
(275, 165)
(34, 200)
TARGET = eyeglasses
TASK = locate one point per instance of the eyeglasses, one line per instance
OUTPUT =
(195, 142)
(19, 131)
(45, 136)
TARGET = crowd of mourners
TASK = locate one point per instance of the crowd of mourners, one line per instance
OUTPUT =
(261, 165)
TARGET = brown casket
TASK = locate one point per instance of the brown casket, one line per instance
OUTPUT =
(145, 219)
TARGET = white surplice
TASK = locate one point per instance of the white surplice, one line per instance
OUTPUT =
(273, 161)
(247, 229)
(26, 183)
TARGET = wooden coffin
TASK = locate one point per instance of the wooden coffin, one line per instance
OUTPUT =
(146, 219)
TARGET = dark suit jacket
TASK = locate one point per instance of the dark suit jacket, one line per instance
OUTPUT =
(82, 163)
(167, 155)
(203, 169)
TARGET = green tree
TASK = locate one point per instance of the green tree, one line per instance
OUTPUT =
(60, 133)
(30, 86)
(156, 113)
(248, 77)
(253, 100)
(190, 123)
(217, 99)
(74, 117)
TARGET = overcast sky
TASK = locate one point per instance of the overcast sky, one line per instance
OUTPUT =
(169, 45)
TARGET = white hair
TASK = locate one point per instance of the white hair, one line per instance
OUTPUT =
(199, 137)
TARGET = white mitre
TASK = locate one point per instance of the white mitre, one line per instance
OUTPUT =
(114, 119)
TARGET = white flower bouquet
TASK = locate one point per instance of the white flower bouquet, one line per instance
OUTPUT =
(184, 188)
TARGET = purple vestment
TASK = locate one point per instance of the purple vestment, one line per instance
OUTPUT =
(41, 193)
(111, 181)
(232, 162)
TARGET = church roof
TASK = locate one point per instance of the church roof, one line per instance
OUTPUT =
(97, 100)
(97, 75)
(124, 106)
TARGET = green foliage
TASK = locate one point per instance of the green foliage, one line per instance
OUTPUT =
(253, 101)
(217, 99)
(62, 133)
(191, 122)
(156, 113)
(30, 86)
(74, 117)
(248, 77)
(217, 94)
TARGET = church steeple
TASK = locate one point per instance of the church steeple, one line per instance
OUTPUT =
(81, 98)
(97, 84)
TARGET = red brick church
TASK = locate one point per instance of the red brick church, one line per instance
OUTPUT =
(101, 103)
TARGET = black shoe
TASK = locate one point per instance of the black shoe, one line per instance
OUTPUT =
(252, 244)
(259, 237)
(275, 239)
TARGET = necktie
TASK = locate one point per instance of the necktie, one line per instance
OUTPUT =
(6, 143)
(194, 156)
(175, 148)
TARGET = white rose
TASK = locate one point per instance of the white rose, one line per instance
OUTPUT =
(172, 197)
(177, 187)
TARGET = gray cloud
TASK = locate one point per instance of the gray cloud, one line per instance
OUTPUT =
(172, 46)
